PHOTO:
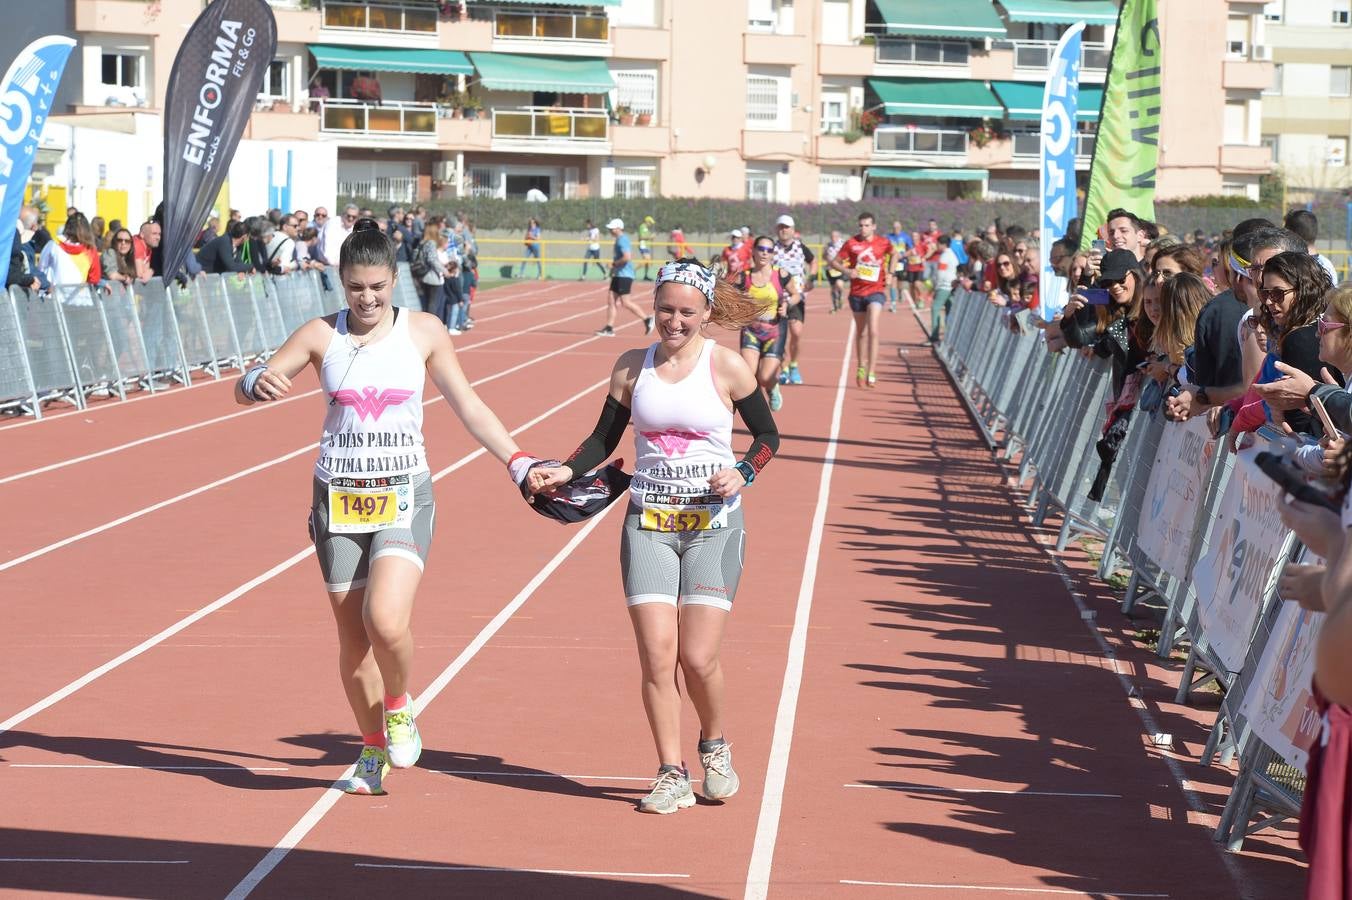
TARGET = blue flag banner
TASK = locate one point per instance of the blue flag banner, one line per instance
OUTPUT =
(26, 97)
(1060, 105)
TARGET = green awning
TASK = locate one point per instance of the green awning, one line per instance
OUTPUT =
(1023, 100)
(969, 19)
(885, 174)
(558, 2)
(519, 72)
(947, 98)
(373, 59)
(1062, 12)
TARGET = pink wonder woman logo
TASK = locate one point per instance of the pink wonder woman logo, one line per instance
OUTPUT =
(369, 404)
(673, 442)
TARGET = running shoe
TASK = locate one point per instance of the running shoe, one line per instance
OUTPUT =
(795, 377)
(469, 323)
(784, 376)
(454, 331)
(671, 791)
(892, 307)
(648, 324)
(872, 379)
(776, 398)
(402, 738)
(720, 781)
(860, 377)
(372, 767)
(605, 331)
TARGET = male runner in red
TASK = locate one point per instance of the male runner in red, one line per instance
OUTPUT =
(864, 260)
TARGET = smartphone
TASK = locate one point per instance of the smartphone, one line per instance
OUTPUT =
(1330, 430)
(1291, 481)
(1095, 296)
(1100, 246)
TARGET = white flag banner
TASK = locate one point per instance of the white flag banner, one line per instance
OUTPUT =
(1279, 705)
(1177, 480)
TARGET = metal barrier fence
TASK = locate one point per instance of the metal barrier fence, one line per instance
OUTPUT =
(80, 342)
(1172, 517)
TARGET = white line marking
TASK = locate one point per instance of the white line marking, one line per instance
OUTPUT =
(767, 825)
(332, 795)
(496, 775)
(148, 643)
(244, 473)
(994, 889)
(151, 768)
(513, 871)
(921, 788)
(101, 862)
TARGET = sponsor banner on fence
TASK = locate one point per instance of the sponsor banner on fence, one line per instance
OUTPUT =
(215, 81)
(26, 97)
(1234, 572)
(1177, 481)
(1060, 105)
(1279, 704)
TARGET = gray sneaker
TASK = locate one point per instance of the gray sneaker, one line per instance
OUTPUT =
(671, 791)
(720, 781)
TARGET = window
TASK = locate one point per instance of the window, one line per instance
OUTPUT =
(1342, 14)
(636, 89)
(636, 13)
(482, 182)
(1234, 189)
(122, 70)
(1272, 12)
(949, 53)
(833, 113)
(762, 100)
(1237, 36)
(836, 21)
(1340, 81)
(277, 81)
(760, 184)
(833, 188)
(1273, 143)
(1236, 123)
(633, 182)
(760, 15)
(1276, 86)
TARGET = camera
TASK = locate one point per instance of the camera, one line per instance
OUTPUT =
(1293, 482)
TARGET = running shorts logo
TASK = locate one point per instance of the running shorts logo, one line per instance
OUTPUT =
(673, 442)
(369, 404)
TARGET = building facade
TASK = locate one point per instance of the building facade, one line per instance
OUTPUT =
(779, 100)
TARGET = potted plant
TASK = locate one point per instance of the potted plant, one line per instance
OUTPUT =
(625, 114)
(869, 120)
(472, 106)
(983, 134)
(643, 118)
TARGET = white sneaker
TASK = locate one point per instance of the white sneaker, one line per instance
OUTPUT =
(720, 781)
(402, 740)
(454, 331)
(671, 791)
(372, 767)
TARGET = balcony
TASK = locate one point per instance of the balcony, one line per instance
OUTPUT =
(1245, 158)
(773, 144)
(762, 49)
(954, 57)
(115, 16)
(1036, 56)
(391, 122)
(389, 19)
(845, 59)
(902, 141)
(640, 140)
(282, 125)
(465, 134)
(385, 190)
(1246, 75)
(1026, 148)
(834, 149)
(552, 129)
(550, 29)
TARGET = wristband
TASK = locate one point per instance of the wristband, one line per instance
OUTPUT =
(519, 465)
(250, 381)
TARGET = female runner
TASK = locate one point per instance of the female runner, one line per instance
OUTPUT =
(372, 515)
(774, 290)
(682, 547)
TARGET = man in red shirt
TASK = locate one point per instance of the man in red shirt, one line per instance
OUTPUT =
(737, 255)
(864, 260)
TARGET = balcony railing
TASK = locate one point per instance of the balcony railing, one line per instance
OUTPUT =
(390, 118)
(549, 123)
(549, 25)
(919, 140)
(385, 190)
(1028, 144)
(400, 18)
(1038, 55)
(906, 51)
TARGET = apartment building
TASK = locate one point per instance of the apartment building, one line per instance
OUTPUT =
(1307, 106)
(779, 100)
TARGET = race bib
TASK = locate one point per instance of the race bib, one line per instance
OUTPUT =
(361, 505)
(663, 513)
(868, 271)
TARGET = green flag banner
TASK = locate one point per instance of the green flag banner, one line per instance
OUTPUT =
(1122, 173)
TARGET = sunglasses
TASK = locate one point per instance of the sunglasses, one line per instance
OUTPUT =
(764, 248)
(1005, 262)
(1110, 282)
(1274, 295)
(121, 240)
(1324, 325)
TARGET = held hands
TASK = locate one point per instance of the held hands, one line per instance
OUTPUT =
(1179, 408)
(544, 478)
(1304, 584)
(271, 386)
(726, 483)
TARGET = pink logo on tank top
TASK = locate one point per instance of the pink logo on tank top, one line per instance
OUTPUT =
(674, 442)
(369, 404)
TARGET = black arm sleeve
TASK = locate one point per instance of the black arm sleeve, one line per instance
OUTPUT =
(755, 412)
(603, 440)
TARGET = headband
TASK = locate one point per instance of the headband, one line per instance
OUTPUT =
(692, 274)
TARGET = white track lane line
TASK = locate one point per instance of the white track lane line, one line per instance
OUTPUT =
(427, 867)
(334, 793)
(244, 473)
(18, 476)
(915, 885)
(63, 860)
(927, 789)
(777, 770)
(149, 768)
(94, 674)
(494, 776)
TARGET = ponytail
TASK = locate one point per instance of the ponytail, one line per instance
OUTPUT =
(732, 308)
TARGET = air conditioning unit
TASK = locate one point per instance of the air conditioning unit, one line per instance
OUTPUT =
(1262, 53)
(443, 171)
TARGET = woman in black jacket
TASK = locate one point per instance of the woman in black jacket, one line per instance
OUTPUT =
(1292, 298)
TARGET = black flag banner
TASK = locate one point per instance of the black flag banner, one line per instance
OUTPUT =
(216, 78)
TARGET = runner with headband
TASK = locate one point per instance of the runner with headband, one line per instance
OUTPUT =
(372, 513)
(682, 546)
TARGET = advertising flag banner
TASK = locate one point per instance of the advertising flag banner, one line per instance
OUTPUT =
(26, 97)
(1245, 544)
(1060, 106)
(1126, 151)
(215, 81)
(1174, 493)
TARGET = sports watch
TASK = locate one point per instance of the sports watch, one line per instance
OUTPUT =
(747, 472)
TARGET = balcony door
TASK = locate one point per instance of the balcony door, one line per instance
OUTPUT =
(518, 185)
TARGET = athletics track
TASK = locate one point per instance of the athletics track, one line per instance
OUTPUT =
(917, 705)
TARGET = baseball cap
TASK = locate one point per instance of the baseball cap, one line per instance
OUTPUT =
(616, 223)
(581, 498)
(1117, 263)
(736, 232)
(784, 220)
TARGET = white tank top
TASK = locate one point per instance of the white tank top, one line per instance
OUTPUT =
(682, 432)
(373, 426)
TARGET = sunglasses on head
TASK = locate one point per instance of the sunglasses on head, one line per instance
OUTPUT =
(1324, 325)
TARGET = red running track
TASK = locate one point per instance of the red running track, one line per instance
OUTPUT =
(918, 709)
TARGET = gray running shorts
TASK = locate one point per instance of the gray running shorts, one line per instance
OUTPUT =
(697, 567)
(344, 559)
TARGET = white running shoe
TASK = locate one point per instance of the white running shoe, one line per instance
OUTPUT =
(671, 791)
(402, 739)
(720, 781)
(454, 331)
(372, 767)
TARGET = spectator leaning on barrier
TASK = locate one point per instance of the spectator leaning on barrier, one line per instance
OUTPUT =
(119, 260)
(19, 275)
(281, 249)
(1306, 224)
(226, 253)
(1181, 299)
(73, 259)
